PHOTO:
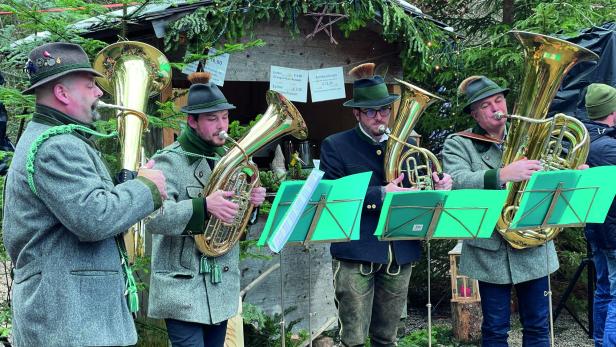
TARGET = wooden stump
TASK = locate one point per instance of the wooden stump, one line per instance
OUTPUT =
(466, 320)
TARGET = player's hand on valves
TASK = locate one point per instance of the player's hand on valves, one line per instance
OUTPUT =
(156, 176)
(257, 196)
(442, 183)
(519, 170)
(394, 185)
(582, 167)
(219, 206)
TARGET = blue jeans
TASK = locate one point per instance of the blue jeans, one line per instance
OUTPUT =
(604, 313)
(533, 307)
(189, 334)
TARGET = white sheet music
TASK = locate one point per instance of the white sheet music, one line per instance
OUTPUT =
(285, 229)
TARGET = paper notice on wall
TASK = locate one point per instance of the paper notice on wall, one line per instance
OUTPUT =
(326, 84)
(292, 83)
(217, 66)
(190, 67)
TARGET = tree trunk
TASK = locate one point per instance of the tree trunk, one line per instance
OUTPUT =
(508, 12)
(466, 321)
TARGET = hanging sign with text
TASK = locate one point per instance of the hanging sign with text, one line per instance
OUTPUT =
(326, 84)
(292, 83)
(217, 66)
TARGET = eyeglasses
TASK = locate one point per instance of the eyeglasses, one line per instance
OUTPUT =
(371, 113)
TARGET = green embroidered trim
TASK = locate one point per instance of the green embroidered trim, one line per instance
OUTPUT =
(216, 275)
(188, 154)
(132, 298)
(57, 130)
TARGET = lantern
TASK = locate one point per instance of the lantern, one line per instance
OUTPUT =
(466, 314)
(462, 287)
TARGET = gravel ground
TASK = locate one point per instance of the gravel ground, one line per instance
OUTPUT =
(567, 333)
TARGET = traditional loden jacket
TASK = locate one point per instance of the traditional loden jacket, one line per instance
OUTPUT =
(68, 283)
(179, 287)
(474, 163)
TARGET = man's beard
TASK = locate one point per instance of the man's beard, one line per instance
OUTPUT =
(94, 112)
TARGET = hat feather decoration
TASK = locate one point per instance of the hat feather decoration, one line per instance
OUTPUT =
(467, 81)
(365, 70)
(199, 77)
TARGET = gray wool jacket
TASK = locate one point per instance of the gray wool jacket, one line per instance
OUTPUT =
(68, 283)
(475, 164)
(177, 288)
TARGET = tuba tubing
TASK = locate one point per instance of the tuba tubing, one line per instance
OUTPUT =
(133, 72)
(548, 60)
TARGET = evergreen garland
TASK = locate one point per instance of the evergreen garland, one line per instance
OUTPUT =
(232, 20)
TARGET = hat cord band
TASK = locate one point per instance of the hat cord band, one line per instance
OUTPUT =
(57, 70)
(205, 105)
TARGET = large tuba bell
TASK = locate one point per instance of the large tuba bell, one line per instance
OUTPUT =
(134, 72)
(400, 157)
(560, 142)
(236, 172)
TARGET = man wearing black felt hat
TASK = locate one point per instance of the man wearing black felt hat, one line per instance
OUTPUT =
(195, 294)
(63, 214)
(371, 277)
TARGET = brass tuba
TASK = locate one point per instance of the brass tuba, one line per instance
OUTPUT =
(561, 142)
(134, 72)
(403, 157)
(236, 172)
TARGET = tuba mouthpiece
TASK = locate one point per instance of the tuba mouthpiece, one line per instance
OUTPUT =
(223, 135)
(499, 115)
(383, 129)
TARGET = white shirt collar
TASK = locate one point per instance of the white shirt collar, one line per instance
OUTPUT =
(383, 137)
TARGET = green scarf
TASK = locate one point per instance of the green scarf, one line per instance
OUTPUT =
(191, 142)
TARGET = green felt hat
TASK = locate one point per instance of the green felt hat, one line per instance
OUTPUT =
(478, 88)
(54, 60)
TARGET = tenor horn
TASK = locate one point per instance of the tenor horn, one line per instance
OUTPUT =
(236, 172)
(133, 73)
(402, 157)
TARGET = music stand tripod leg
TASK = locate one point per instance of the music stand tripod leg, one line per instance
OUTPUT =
(282, 322)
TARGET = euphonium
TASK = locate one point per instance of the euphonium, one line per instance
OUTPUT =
(134, 72)
(559, 143)
(236, 172)
(400, 157)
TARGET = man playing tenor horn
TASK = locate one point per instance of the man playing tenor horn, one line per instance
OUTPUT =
(194, 294)
(371, 277)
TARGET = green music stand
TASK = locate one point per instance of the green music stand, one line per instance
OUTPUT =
(330, 213)
(564, 198)
(434, 214)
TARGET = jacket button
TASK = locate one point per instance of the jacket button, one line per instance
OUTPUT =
(200, 194)
(378, 152)
(368, 206)
(225, 269)
(200, 173)
(373, 206)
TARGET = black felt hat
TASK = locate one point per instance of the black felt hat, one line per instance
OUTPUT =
(204, 96)
(53, 60)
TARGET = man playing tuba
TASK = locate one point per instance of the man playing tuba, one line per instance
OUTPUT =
(371, 278)
(63, 215)
(195, 295)
(473, 158)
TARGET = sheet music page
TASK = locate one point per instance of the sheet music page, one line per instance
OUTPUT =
(285, 229)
